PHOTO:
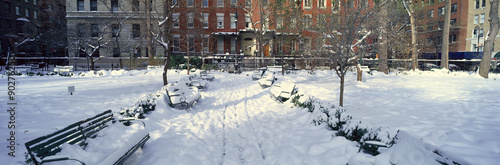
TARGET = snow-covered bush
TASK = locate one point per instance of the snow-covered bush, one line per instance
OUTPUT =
(338, 120)
(142, 107)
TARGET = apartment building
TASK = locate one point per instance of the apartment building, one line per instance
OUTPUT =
(430, 20)
(19, 20)
(478, 27)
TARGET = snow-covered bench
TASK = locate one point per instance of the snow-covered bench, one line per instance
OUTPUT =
(181, 96)
(282, 92)
(256, 75)
(22, 68)
(267, 80)
(63, 69)
(193, 81)
(95, 144)
(204, 75)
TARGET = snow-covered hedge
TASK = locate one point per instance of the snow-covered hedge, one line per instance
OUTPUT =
(338, 119)
(143, 106)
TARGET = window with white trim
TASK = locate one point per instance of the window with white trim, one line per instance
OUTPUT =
(307, 3)
(220, 20)
(220, 3)
(175, 20)
(205, 20)
(176, 43)
(482, 18)
(476, 19)
(190, 20)
(233, 21)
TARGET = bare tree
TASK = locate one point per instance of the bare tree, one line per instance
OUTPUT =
(382, 52)
(484, 66)
(446, 35)
(345, 32)
(411, 12)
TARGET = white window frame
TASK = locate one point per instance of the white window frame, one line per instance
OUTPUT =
(175, 20)
(206, 43)
(189, 5)
(190, 20)
(476, 19)
(279, 22)
(176, 47)
(205, 20)
(322, 4)
(248, 21)
(481, 18)
(220, 20)
(307, 4)
(27, 13)
(233, 21)
(18, 10)
(35, 14)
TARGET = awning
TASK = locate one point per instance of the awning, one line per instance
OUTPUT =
(225, 33)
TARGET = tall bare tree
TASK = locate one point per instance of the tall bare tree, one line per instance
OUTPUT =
(484, 66)
(446, 35)
(382, 51)
(411, 12)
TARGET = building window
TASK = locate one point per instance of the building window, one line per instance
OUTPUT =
(20, 27)
(441, 11)
(233, 2)
(115, 30)
(205, 3)
(453, 21)
(135, 5)
(18, 10)
(27, 1)
(136, 30)
(477, 4)
(307, 3)
(248, 21)
(476, 19)
(7, 7)
(27, 12)
(474, 33)
(93, 5)
(220, 3)
(190, 3)
(233, 21)
(114, 5)
(220, 45)
(80, 5)
(484, 3)
(35, 14)
(174, 2)
(175, 20)
(321, 3)
(205, 20)
(481, 32)
(454, 8)
(94, 30)
(35, 2)
(279, 22)
(176, 44)
(293, 23)
(190, 22)
(205, 43)
(116, 52)
(453, 38)
(482, 18)
(431, 13)
(307, 20)
(220, 20)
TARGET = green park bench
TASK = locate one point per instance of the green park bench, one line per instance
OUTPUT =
(44, 149)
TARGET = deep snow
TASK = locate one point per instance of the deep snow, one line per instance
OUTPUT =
(236, 121)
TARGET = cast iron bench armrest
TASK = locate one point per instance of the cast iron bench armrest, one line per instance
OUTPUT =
(61, 159)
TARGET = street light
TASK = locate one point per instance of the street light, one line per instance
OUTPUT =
(236, 37)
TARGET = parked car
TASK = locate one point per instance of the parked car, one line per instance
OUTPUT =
(453, 67)
(429, 66)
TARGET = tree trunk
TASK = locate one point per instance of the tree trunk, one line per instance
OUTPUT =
(360, 73)
(165, 70)
(91, 60)
(446, 34)
(414, 52)
(148, 36)
(382, 50)
(484, 66)
(341, 99)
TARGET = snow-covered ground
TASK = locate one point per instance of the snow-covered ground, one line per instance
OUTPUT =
(236, 121)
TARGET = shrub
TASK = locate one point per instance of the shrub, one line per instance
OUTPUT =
(142, 107)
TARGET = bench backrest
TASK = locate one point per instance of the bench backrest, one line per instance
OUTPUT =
(75, 133)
